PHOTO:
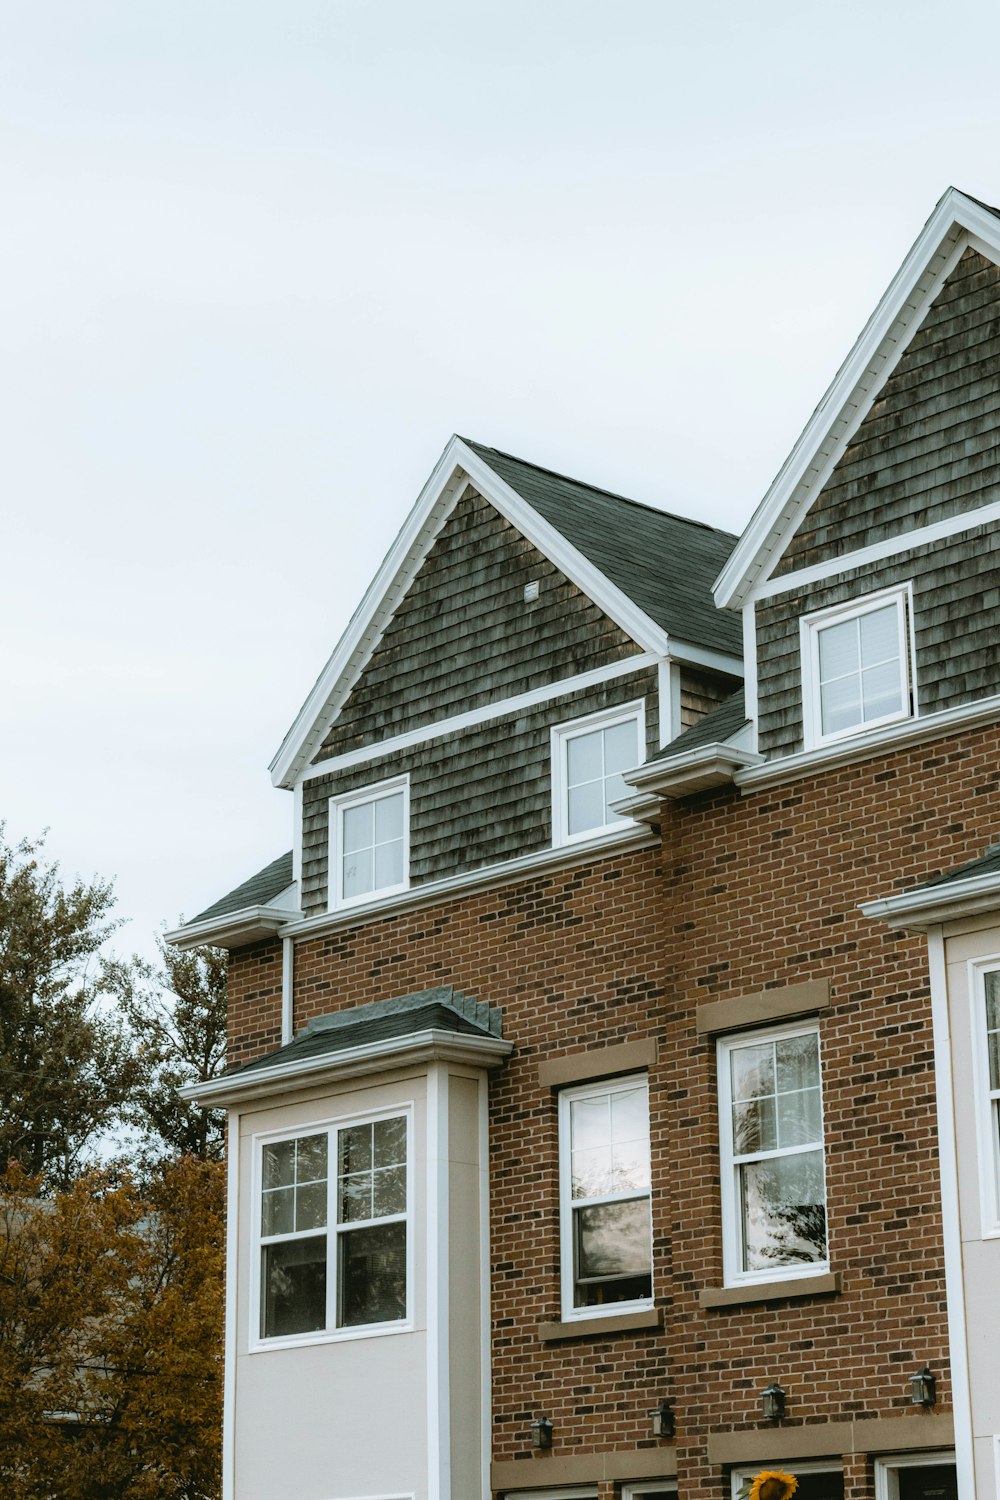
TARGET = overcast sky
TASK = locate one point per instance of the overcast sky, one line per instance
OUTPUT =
(260, 260)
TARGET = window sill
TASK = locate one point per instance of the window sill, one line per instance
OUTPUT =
(584, 1328)
(770, 1291)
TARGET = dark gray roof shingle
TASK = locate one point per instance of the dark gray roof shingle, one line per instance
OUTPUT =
(440, 1009)
(727, 718)
(664, 563)
(986, 864)
(257, 891)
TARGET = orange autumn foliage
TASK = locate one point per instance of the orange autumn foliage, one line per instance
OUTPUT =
(111, 1307)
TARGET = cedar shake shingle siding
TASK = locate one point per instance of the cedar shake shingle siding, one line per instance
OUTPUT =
(700, 693)
(476, 798)
(463, 635)
(927, 450)
(956, 609)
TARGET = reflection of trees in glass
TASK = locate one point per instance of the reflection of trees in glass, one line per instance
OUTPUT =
(784, 1210)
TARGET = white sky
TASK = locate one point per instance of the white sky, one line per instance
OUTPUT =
(260, 260)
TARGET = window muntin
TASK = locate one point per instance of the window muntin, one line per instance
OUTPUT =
(771, 1129)
(605, 1205)
(369, 843)
(332, 1226)
(856, 672)
(589, 758)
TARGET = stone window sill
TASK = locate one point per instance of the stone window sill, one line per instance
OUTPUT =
(585, 1328)
(770, 1291)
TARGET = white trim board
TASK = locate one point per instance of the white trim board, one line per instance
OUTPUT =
(499, 709)
(457, 465)
(890, 546)
(956, 223)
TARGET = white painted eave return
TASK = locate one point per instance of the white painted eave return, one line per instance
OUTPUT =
(916, 911)
(234, 929)
(377, 1057)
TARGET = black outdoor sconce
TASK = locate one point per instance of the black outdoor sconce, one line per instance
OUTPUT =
(541, 1433)
(772, 1402)
(663, 1420)
(923, 1388)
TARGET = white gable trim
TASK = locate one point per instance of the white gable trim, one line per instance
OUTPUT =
(956, 223)
(457, 465)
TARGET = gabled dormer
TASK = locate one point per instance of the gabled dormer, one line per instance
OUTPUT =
(868, 577)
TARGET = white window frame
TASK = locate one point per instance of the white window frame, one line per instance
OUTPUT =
(811, 627)
(732, 1235)
(650, 1487)
(985, 1102)
(338, 805)
(570, 1313)
(588, 1492)
(561, 734)
(746, 1472)
(257, 1343)
(887, 1469)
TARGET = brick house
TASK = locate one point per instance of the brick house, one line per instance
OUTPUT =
(587, 1137)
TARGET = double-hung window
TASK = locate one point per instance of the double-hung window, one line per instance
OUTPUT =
(773, 1166)
(369, 842)
(985, 991)
(589, 757)
(607, 1254)
(332, 1225)
(856, 672)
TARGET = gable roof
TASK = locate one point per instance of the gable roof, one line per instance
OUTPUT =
(625, 557)
(665, 563)
(957, 221)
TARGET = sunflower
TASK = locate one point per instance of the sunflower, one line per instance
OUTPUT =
(773, 1484)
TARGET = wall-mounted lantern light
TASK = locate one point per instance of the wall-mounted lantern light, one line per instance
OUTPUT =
(923, 1387)
(772, 1402)
(662, 1417)
(541, 1433)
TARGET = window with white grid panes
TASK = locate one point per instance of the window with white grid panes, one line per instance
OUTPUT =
(333, 1229)
(773, 1164)
(589, 758)
(986, 1024)
(856, 672)
(605, 1205)
(369, 843)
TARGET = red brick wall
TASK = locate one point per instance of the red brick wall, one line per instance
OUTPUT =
(254, 1014)
(750, 892)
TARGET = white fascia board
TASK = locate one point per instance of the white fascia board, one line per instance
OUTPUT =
(433, 1044)
(703, 656)
(456, 465)
(853, 388)
(848, 752)
(916, 911)
(233, 928)
(692, 770)
(451, 887)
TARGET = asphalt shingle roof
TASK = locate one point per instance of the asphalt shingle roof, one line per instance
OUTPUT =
(726, 719)
(443, 1009)
(664, 563)
(257, 891)
(986, 864)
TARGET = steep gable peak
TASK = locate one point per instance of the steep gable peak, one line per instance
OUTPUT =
(651, 577)
(959, 222)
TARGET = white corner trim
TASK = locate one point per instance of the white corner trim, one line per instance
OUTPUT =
(457, 464)
(864, 745)
(437, 1290)
(499, 709)
(232, 1264)
(287, 987)
(948, 1166)
(234, 928)
(624, 840)
(350, 1062)
(892, 546)
(485, 1264)
(987, 1146)
(931, 258)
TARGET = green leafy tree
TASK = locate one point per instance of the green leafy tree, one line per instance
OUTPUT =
(176, 1014)
(66, 1065)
